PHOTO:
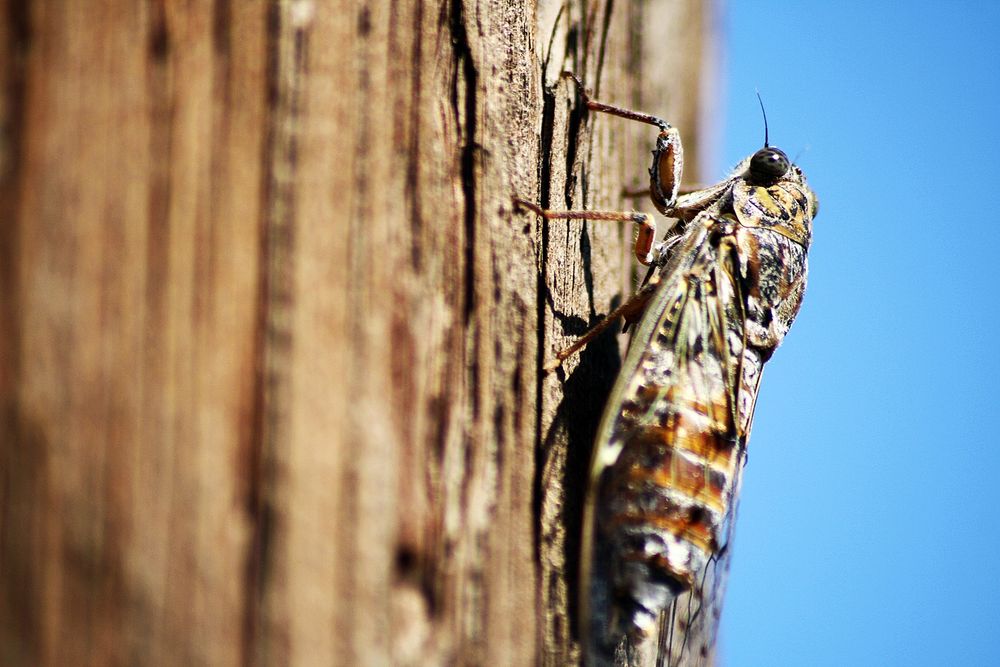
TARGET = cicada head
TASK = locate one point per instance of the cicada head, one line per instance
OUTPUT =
(767, 166)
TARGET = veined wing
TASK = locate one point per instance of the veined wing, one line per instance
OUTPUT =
(671, 440)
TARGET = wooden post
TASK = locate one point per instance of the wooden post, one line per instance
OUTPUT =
(271, 331)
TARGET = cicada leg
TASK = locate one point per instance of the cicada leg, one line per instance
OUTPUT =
(664, 184)
(630, 310)
(668, 154)
(644, 251)
(645, 222)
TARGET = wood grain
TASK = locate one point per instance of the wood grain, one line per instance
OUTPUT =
(271, 331)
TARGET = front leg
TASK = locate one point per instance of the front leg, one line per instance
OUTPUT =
(668, 155)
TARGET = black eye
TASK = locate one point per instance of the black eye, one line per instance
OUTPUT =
(768, 165)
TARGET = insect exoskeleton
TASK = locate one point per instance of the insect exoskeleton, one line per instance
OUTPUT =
(671, 445)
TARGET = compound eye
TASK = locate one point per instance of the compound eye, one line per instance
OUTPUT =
(768, 165)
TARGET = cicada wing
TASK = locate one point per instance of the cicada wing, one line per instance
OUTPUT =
(668, 447)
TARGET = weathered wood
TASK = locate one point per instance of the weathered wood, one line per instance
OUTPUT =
(272, 331)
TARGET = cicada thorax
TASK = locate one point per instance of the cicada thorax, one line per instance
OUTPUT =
(785, 208)
(773, 237)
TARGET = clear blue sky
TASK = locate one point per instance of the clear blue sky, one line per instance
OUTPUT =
(869, 531)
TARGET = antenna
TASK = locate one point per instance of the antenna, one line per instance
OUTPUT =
(761, 102)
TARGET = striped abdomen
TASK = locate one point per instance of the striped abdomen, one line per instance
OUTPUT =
(664, 503)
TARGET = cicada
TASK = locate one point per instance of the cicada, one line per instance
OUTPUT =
(722, 292)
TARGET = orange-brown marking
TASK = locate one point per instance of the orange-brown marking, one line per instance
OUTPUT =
(696, 532)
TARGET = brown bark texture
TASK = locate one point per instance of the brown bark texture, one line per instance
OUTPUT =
(271, 330)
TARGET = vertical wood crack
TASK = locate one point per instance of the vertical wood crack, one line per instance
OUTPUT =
(287, 44)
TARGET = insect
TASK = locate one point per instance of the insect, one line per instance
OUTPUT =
(722, 291)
